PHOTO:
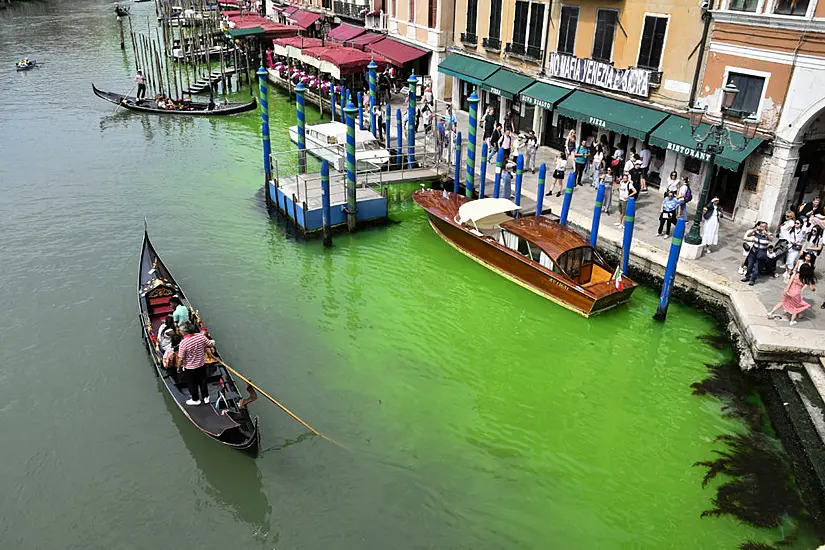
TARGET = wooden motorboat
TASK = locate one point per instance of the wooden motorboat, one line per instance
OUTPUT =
(226, 418)
(537, 253)
(327, 140)
(190, 108)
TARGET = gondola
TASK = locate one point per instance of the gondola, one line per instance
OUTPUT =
(121, 12)
(192, 109)
(26, 66)
(225, 418)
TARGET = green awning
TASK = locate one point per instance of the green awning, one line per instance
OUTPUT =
(506, 83)
(674, 135)
(467, 68)
(544, 95)
(245, 33)
(625, 118)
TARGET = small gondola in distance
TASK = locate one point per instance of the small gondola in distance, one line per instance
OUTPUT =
(148, 105)
(225, 418)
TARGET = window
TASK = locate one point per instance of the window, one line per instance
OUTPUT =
(472, 16)
(535, 33)
(743, 5)
(567, 29)
(520, 26)
(605, 29)
(791, 7)
(495, 19)
(750, 93)
(432, 14)
(653, 42)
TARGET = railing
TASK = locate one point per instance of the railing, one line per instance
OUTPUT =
(377, 22)
(656, 78)
(534, 52)
(469, 38)
(491, 43)
(515, 48)
(349, 9)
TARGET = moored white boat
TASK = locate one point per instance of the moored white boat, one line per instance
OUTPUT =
(328, 140)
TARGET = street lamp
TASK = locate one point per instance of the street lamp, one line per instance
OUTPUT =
(714, 142)
(322, 28)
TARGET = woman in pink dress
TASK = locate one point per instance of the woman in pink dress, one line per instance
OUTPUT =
(792, 300)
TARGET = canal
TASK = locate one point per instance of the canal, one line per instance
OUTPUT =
(475, 414)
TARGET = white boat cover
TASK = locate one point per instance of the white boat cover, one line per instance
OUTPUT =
(494, 209)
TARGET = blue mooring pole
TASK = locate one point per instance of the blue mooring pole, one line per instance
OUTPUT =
(629, 218)
(519, 178)
(457, 175)
(371, 68)
(332, 101)
(499, 162)
(325, 207)
(482, 180)
(360, 112)
(400, 137)
(388, 124)
(349, 114)
(471, 145)
(302, 136)
(670, 270)
(568, 198)
(412, 83)
(540, 189)
(264, 97)
(597, 215)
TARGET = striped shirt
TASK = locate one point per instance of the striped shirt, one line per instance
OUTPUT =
(760, 243)
(192, 350)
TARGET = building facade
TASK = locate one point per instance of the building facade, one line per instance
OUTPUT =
(774, 52)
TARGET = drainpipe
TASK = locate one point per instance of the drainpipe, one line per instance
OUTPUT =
(694, 88)
(546, 40)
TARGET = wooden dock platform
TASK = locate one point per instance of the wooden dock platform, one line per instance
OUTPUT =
(208, 81)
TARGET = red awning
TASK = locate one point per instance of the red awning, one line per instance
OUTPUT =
(290, 10)
(344, 32)
(305, 19)
(300, 42)
(397, 52)
(366, 38)
(351, 60)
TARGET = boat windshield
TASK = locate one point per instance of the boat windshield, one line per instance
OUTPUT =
(372, 145)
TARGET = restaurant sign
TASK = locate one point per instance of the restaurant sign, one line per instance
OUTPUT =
(537, 102)
(603, 75)
(687, 151)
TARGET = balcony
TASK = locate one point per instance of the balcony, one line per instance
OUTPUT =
(491, 44)
(525, 52)
(534, 53)
(376, 22)
(349, 10)
(514, 48)
(469, 39)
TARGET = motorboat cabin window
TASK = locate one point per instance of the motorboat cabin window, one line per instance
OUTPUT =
(372, 145)
(578, 264)
(509, 240)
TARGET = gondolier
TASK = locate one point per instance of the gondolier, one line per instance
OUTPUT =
(141, 85)
(192, 353)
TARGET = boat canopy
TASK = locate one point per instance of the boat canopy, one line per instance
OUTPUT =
(486, 212)
(552, 237)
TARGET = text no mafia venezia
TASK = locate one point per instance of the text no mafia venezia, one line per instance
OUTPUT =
(588, 71)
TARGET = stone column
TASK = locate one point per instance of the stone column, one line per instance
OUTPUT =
(777, 185)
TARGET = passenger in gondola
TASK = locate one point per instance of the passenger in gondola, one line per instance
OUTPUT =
(165, 332)
(180, 314)
(171, 359)
(160, 102)
(211, 106)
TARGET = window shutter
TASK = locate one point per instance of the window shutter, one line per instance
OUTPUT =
(520, 25)
(536, 25)
(433, 14)
(472, 13)
(495, 19)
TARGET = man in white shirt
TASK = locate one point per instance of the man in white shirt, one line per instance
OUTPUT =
(645, 154)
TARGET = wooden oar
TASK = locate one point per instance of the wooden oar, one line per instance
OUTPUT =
(287, 411)
(124, 97)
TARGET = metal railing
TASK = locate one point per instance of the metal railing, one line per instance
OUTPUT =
(491, 43)
(469, 38)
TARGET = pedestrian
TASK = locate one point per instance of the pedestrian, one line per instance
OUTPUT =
(609, 181)
(810, 208)
(417, 118)
(508, 123)
(507, 143)
(379, 121)
(813, 243)
(140, 80)
(580, 160)
(636, 173)
(495, 140)
(710, 227)
(532, 147)
(570, 143)
(506, 181)
(489, 123)
(192, 352)
(672, 183)
(645, 155)
(668, 214)
(630, 161)
(796, 241)
(598, 165)
(440, 138)
(626, 191)
(686, 194)
(792, 301)
(449, 118)
(759, 239)
(427, 113)
(558, 174)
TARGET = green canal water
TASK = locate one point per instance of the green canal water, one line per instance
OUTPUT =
(474, 414)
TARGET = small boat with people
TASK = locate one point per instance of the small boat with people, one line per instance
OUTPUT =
(26, 64)
(535, 252)
(327, 141)
(219, 411)
(120, 11)
(166, 106)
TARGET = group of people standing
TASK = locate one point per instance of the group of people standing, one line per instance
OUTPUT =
(185, 349)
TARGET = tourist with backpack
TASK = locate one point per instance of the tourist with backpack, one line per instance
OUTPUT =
(686, 194)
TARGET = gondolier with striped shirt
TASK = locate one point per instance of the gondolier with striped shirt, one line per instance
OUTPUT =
(192, 352)
(141, 85)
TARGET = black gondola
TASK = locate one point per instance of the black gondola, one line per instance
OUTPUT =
(223, 419)
(190, 108)
(122, 12)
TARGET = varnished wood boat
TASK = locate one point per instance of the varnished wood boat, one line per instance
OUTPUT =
(537, 253)
(192, 108)
(224, 419)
